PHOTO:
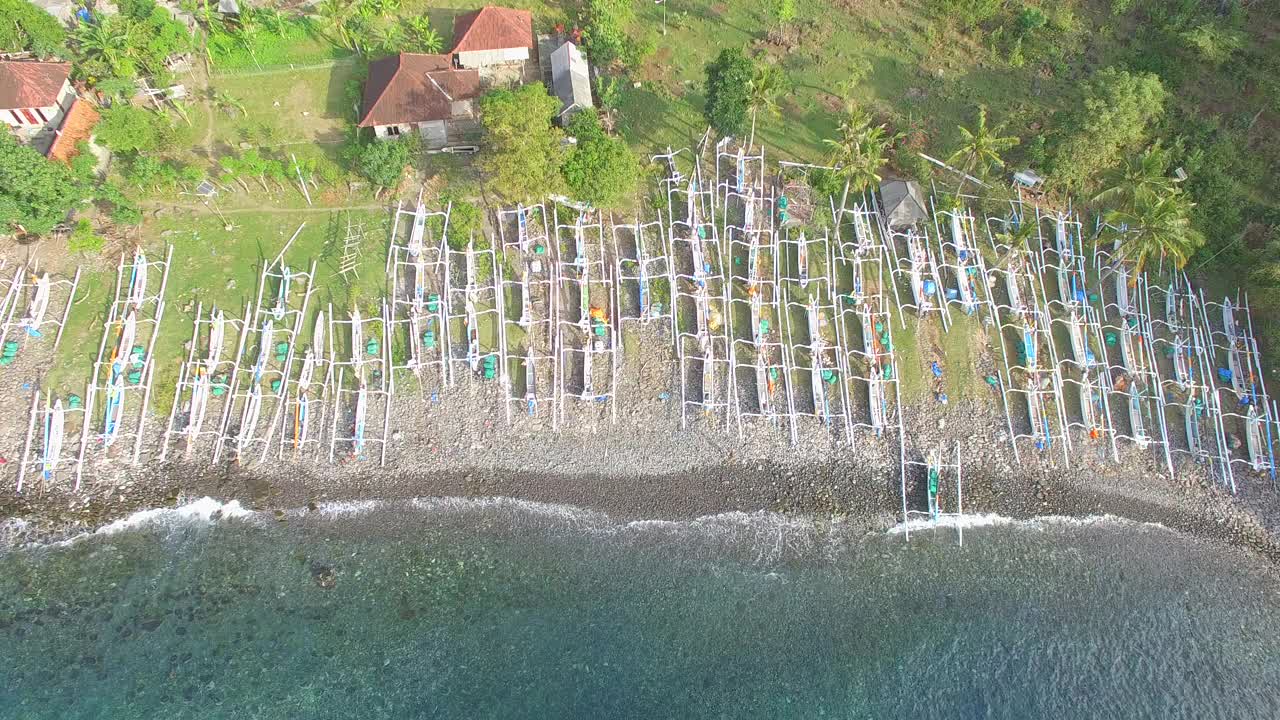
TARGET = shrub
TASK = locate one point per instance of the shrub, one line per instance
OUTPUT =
(465, 221)
(728, 95)
(127, 128)
(27, 27)
(1115, 116)
(607, 25)
(83, 239)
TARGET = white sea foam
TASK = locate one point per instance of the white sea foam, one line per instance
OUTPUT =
(1039, 522)
(206, 510)
(773, 533)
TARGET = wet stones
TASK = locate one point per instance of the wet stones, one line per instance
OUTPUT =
(324, 576)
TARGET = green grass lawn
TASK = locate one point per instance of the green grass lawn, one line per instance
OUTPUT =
(287, 106)
(214, 266)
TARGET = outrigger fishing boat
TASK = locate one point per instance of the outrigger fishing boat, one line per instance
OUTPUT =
(642, 267)
(54, 429)
(357, 435)
(253, 405)
(526, 300)
(1137, 422)
(1091, 409)
(38, 306)
(934, 479)
(964, 278)
(802, 260)
(1191, 421)
(114, 405)
(579, 244)
(816, 346)
(1080, 351)
(741, 175)
(921, 290)
(878, 403)
(530, 380)
(202, 387)
(418, 229)
(1253, 439)
(522, 227)
(312, 359)
(282, 295)
(137, 279)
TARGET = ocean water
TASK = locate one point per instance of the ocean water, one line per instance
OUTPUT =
(500, 609)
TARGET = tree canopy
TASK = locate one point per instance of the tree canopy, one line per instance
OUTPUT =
(35, 193)
(1114, 117)
(521, 152)
(128, 128)
(858, 153)
(981, 147)
(24, 26)
(1157, 225)
(729, 91)
(601, 170)
(607, 24)
(382, 162)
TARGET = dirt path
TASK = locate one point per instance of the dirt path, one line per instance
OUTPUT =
(204, 210)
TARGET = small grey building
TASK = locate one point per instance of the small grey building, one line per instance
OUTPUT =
(902, 203)
(571, 80)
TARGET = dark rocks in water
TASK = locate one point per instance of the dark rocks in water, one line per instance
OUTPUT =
(324, 576)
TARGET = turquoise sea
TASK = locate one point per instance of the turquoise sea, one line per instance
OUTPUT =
(501, 609)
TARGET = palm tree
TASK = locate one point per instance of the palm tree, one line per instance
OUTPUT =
(762, 93)
(108, 42)
(858, 153)
(387, 39)
(981, 147)
(1144, 174)
(422, 35)
(1157, 226)
(336, 17)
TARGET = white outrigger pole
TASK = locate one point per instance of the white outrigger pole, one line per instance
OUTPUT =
(48, 417)
(204, 381)
(42, 292)
(943, 490)
(135, 315)
(588, 336)
(528, 249)
(369, 365)
(418, 272)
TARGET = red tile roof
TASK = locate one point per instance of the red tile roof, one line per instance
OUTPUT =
(493, 28)
(76, 126)
(409, 87)
(25, 84)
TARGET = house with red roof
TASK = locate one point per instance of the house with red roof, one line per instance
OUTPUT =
(492, 36)
(34, 98)
(426, 94)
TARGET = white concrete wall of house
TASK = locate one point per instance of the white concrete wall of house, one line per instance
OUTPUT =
(483, 58)
(386, 132)
(435, 133)
(50, 116)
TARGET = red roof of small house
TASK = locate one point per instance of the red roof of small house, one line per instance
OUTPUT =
(409, 87)
(26, 84)
(493, 28)
(76, 126)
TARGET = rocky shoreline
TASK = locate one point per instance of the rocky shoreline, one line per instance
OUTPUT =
(646, 467)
